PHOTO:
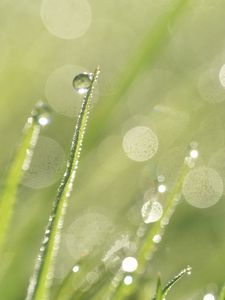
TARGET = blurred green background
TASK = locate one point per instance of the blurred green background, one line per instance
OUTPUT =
(159, 70)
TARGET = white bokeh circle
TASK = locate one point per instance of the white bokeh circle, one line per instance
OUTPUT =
(202, 187)
(47, 164)
(66, 19)
(140, 143)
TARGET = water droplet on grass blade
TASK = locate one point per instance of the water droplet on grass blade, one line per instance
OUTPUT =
(82, 82)
(189, 270)
(128, 280)
(209, 297)
(151, 211)
(129, 264)
(42, 114)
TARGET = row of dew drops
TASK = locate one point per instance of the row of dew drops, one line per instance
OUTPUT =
(151, 212)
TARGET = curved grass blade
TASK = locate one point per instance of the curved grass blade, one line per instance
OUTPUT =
(222, 294)
(162, 293)
(18, 167)
(42, 277)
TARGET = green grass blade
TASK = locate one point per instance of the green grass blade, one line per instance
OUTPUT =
(19, 165)
(159, 291)
(41, 280)
(162, 293)
(148, 247)
(222, 294)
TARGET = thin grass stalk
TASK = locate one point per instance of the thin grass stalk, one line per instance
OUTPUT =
(15, 174)
(41, 280)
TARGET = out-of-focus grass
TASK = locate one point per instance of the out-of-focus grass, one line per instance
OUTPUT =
(193, 44)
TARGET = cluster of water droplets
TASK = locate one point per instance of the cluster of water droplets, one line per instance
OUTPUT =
(191, 158)
(41, 116)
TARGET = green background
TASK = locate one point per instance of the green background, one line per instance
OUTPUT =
(149, 58)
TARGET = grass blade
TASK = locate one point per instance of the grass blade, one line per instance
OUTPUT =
(42, 277)
(161, 293)
(18, 167)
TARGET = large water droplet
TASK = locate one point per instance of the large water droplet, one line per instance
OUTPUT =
(151, 211)
(42, 114)
(82, 82)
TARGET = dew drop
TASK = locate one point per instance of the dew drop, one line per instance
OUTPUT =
(76, 269)
(151, 211)
(129, 264)
(189, 270)
(209, 296)
(128, 280)
(161, 188)
(82, 82)
(157, 238)
(42, 114)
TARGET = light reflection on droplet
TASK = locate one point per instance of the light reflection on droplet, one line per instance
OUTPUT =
(128, 280)
(41, 114)
(140, 143)
(76, 269)
(151, 211)
(59, 90)
(202, 187)
(66, 19)
(129, 264)
(209, 297)
(194, 153)
(157, 238)
(82, 82)
(189, 270)
(161, 188)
